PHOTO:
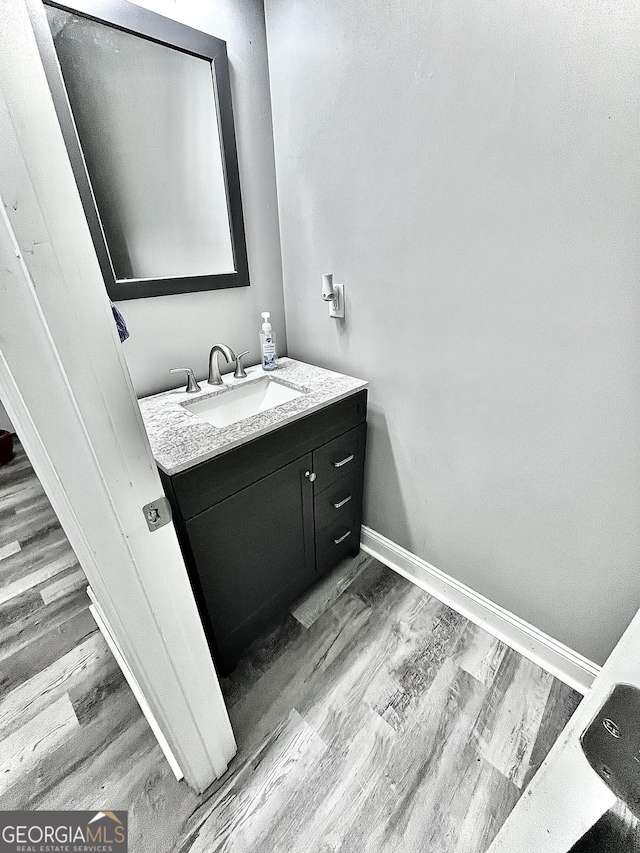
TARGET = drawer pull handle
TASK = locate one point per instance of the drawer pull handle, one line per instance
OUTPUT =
(342, 502)
(343, 461)
(342, 538)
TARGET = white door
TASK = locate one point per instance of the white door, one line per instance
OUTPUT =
(67, 389)
(566, 796)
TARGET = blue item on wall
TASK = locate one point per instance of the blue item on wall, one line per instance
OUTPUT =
(120, 323)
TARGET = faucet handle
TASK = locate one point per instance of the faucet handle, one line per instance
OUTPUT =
(240, 372)
(192, 385)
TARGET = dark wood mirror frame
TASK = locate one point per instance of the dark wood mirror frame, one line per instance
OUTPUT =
(141, 22)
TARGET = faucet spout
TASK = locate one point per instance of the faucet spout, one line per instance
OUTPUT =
(214, 366)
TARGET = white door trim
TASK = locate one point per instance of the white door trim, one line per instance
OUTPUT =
(67, 390)
(562, 662)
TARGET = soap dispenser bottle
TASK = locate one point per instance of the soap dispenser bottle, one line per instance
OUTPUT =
(268, 344)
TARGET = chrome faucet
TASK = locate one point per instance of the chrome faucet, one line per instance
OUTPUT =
(214, 367)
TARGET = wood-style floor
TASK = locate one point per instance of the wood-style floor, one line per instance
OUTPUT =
(371, 718)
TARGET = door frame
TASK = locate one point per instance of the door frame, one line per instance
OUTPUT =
(67, 390)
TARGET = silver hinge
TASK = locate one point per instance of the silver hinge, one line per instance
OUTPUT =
(611, 744)
(157, 513)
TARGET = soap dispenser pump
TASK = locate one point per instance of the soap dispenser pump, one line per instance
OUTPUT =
(268, 344)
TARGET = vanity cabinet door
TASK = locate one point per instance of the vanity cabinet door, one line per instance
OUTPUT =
(254, 554)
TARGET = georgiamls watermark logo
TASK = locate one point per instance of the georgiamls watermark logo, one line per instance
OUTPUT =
(63, 832)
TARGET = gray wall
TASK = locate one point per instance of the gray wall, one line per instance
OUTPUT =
(5, 423)
(470, 170)
(178, 331)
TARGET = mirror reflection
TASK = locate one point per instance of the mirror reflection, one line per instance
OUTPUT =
(147, 120)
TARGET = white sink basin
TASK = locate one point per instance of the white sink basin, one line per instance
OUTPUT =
(243, 401)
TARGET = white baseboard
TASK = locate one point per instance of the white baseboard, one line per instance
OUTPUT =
(569, 666)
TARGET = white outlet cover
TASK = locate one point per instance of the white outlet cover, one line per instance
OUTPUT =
(337, 312)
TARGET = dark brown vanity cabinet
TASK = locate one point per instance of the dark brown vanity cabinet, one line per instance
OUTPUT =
(261, 522)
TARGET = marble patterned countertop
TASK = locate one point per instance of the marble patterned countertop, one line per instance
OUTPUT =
(180, 439)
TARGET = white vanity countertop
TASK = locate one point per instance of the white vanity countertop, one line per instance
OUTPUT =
(180, 439)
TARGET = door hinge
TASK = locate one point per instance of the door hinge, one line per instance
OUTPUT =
(157, 513)
(611, 744)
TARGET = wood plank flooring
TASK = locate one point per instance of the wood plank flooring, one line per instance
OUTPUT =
(43, 606)
(371, 718)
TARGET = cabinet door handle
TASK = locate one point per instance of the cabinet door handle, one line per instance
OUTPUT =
(342, 502)
(311, 475)
(343, 461)
(342, 538)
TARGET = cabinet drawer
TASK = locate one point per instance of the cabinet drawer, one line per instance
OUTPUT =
(336, 540)
(337, 499)
(339, 457)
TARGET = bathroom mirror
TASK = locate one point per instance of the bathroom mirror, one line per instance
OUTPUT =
(145, 108)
